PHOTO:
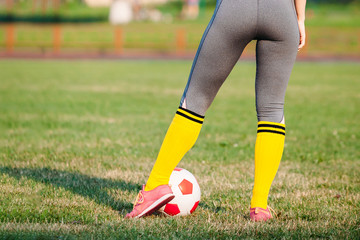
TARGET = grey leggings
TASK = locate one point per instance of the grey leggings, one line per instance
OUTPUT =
(234, 24)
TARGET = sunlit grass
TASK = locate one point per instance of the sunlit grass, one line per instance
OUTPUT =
(77, 140)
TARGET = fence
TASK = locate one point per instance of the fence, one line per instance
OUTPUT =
(103, 39)
(57, 39)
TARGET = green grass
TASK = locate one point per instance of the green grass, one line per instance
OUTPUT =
(333, 15)
(78, 138)
(72, 9)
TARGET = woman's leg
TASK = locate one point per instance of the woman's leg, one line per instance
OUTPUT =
(219, 50)
(276, 54)
(221, 46)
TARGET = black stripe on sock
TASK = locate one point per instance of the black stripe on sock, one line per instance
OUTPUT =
(271, 131)
(193, 113)
(190, 118)
(272, 126)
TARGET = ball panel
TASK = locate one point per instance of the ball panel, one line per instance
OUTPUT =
(186, 187)
(196, 192)
(194, 207)
(185, 202)
(177, 192)
(175, 178)
(171, 209)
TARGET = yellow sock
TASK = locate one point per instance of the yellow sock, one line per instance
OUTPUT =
(268, 152)
(180, 137)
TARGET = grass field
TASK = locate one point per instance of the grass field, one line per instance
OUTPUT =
(78, 138)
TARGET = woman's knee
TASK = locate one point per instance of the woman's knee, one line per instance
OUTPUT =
(198, 104)
(270, 112)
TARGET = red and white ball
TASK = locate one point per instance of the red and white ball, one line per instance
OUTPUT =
(187, 194)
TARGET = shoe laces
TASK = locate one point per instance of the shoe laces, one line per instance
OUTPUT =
(139, 199)
(272, 211)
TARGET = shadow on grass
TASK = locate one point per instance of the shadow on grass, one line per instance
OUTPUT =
(90, 187)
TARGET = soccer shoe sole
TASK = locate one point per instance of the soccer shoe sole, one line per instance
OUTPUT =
(156, 205)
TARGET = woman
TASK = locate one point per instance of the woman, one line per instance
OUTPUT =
(278, 26)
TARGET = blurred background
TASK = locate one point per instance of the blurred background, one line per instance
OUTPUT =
(152, 28)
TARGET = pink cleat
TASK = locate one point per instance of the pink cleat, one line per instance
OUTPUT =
(258, 214)
(148, 202)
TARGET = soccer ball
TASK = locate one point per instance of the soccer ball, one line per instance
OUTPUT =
(187, 194)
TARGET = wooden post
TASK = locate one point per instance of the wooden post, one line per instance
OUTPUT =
(57, 38)
(44, 6)
(9, 5)
(56, 5)
(34, 3)
(118, 40)
(180, 41)
(10, 38)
